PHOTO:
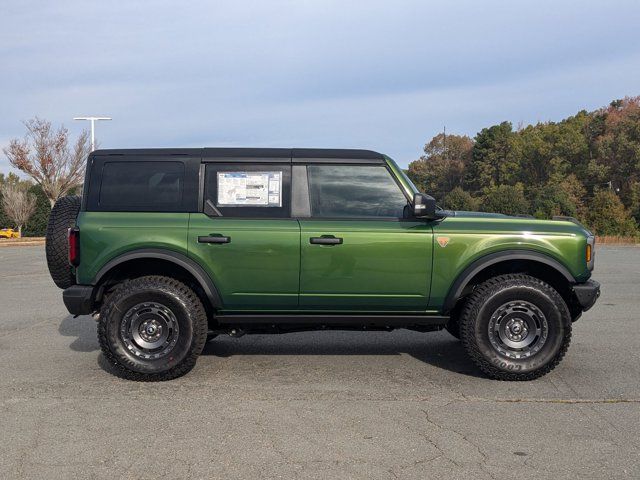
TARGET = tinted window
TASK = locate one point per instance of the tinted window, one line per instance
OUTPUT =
(249, 190)
(354, 191)
(152, 186)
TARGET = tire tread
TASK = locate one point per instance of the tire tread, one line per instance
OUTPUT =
(63, 215)
(167, 284)
(471, 310)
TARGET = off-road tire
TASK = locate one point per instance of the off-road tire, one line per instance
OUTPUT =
(187, 310)
(63, 216)
(487, 299)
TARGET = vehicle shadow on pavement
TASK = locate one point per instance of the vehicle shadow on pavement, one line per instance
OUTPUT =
(84, 329)
(439, 351)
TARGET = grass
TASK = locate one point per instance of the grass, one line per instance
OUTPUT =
(24, 241)
(617, 240)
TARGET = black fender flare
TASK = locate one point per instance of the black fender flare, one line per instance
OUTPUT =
(176, 258)
(463, 279)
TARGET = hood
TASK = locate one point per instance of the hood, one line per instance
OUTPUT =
(535, 224)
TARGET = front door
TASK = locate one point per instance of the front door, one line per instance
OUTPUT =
(358, 251)
(245, 238)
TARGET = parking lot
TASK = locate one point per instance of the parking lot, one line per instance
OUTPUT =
(315, 405)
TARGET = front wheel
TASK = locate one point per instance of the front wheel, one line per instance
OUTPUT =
(152, 328)
(515, 327)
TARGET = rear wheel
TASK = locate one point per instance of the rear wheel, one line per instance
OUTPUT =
(152, 328)
(515, 327)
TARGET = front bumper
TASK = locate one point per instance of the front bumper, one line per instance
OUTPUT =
(587, 293)
(79, 299)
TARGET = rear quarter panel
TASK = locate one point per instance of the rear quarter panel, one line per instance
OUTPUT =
(106, 235)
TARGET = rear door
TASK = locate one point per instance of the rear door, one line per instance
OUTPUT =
(245, 238)
(358, 249)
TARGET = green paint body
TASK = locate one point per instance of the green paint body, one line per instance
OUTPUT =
(381, 266)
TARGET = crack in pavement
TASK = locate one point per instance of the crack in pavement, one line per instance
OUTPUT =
(483, 456)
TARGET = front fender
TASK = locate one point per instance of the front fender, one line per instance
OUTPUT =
(463, 279)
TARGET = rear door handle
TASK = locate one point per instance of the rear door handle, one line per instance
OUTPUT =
(214, 238)
(325, 240)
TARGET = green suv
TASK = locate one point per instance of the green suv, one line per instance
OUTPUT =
(169, 248)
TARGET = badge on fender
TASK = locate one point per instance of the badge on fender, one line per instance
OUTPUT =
(443, 241)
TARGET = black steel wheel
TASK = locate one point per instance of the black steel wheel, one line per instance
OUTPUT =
(518, 329)
(152, 328)
(149, 330)
(515, 327)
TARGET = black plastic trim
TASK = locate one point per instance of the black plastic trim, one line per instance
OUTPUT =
(256, 159)
(337, 161)
(210, 210)
(286, 154)
(179, 259)
(78, 299)
(340, 319)
(325, 240)
(216, 239)
(201, 178)
(347, 154)
(300, 204)
(587, 293)
(455, 292)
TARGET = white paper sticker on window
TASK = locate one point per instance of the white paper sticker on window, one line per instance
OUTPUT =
(249, 189)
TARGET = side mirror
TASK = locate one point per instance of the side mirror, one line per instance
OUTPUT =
(424, 206)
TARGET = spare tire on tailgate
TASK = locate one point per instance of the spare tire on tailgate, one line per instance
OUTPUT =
(63, 216)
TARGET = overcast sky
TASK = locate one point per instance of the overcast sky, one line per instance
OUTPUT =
(368, 74)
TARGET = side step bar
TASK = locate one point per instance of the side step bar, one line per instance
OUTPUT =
(339, 319)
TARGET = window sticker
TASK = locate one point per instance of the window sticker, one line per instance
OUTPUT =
(250, 189)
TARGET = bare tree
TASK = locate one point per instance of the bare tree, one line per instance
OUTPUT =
(18, 204)
(47, 157)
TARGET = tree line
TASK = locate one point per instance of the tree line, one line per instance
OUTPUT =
(586, 166)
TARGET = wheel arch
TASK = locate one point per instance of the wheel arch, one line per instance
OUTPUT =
(510, 261)
(159, 261)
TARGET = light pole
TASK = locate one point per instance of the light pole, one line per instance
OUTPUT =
(93, 128)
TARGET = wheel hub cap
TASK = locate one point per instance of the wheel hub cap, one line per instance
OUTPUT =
(518, 329)
(149, 330)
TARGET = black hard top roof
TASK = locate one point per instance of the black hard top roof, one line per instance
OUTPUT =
(213, 154)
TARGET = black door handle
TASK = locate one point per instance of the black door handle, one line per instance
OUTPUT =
(325, 240)
(214, 238)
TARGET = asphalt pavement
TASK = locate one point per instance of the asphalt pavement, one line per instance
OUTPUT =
(327, 405)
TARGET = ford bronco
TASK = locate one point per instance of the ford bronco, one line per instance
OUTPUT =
(169, 248)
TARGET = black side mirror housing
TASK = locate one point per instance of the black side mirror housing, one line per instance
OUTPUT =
(424, 206)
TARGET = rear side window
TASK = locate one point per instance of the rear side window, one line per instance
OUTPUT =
(355, 191)
(249, 190)
(146, 186)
